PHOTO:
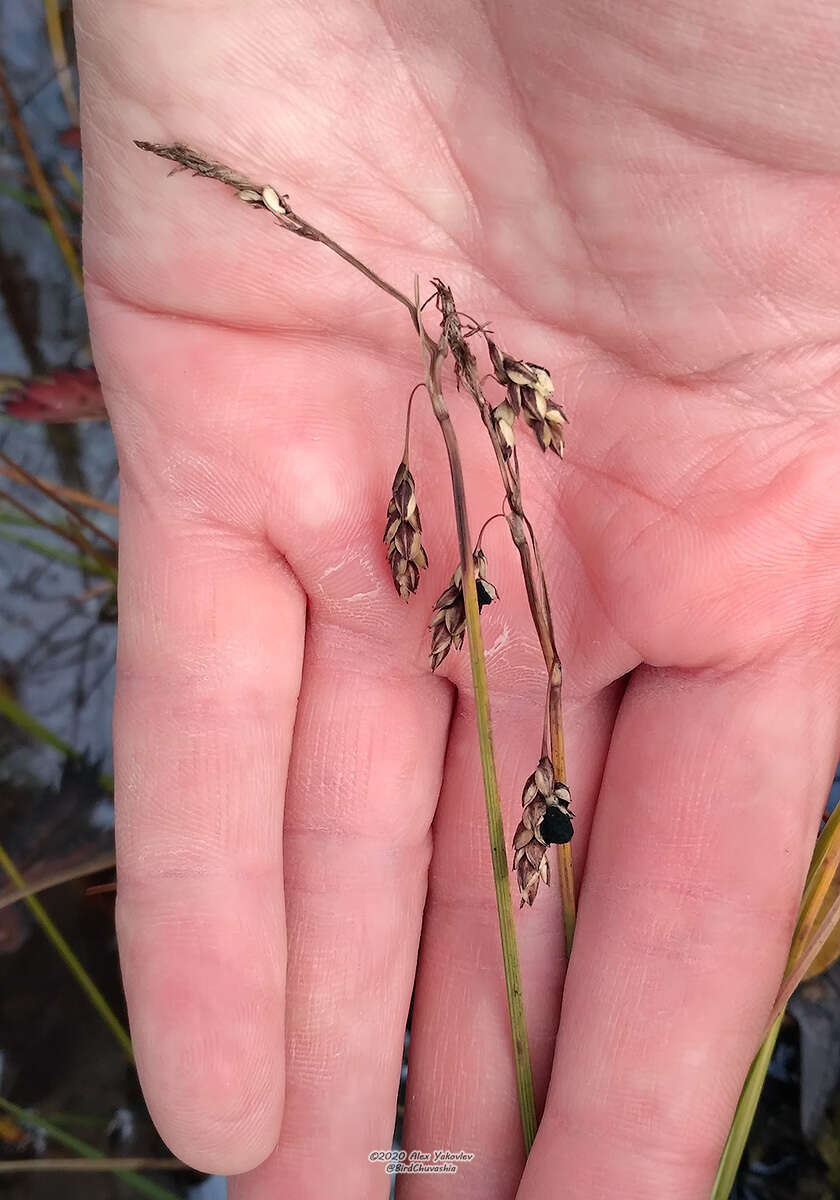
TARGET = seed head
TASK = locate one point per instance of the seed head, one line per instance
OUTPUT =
(449, 619)
(272, 201)
(403, 534)
(530, 391)
(546, 820)
(504, 419)
(466, 367)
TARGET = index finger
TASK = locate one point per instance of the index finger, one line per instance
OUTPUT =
(205, 707)
(208, 672)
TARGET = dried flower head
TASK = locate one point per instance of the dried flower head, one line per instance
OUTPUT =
(530, 391)
(504, 419)
(449, 620)
(187, 159)
(403, 532)
(466, 367)
(546, 821)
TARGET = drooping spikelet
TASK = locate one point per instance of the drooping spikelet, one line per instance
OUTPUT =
(529, 392)
(403, 534)
(449, 620)
(546, 820)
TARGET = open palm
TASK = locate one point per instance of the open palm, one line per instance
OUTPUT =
(643, 198)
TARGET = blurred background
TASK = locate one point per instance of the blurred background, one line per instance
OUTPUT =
(72, 1119)
(67, 1088)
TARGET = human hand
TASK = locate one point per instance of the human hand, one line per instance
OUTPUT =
(643, 198)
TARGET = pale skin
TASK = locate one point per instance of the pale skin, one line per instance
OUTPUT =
(642, 197)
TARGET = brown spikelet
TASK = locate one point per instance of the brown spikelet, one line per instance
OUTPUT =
(466, 368)
(449, 619)
(403, 534)
(187, 159)
(546, 820)
(504, 419)
(529, 393)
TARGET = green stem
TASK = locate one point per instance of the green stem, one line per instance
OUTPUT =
(77, 1121)
(70, 535)
(823, 866)
(736, 1141)
(70, 960)
(26, 198)
(88, 565)
(84, 1150)
(17, 714)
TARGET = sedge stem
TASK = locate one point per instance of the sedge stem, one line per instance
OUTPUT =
(498, 852)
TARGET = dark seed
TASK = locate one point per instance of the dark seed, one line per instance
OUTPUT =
(556, 826)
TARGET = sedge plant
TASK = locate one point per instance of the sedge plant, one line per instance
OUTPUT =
(523, 398)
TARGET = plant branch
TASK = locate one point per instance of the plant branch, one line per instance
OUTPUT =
(264, 196)
(415, 389)
(54, 494)
(498, 851)
(40, 183)
(809, 951)
(58, 48)
(101, 862)
(70, 535)
(68, 956)
(532, 573)
(54, 490)
(86, 1166)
